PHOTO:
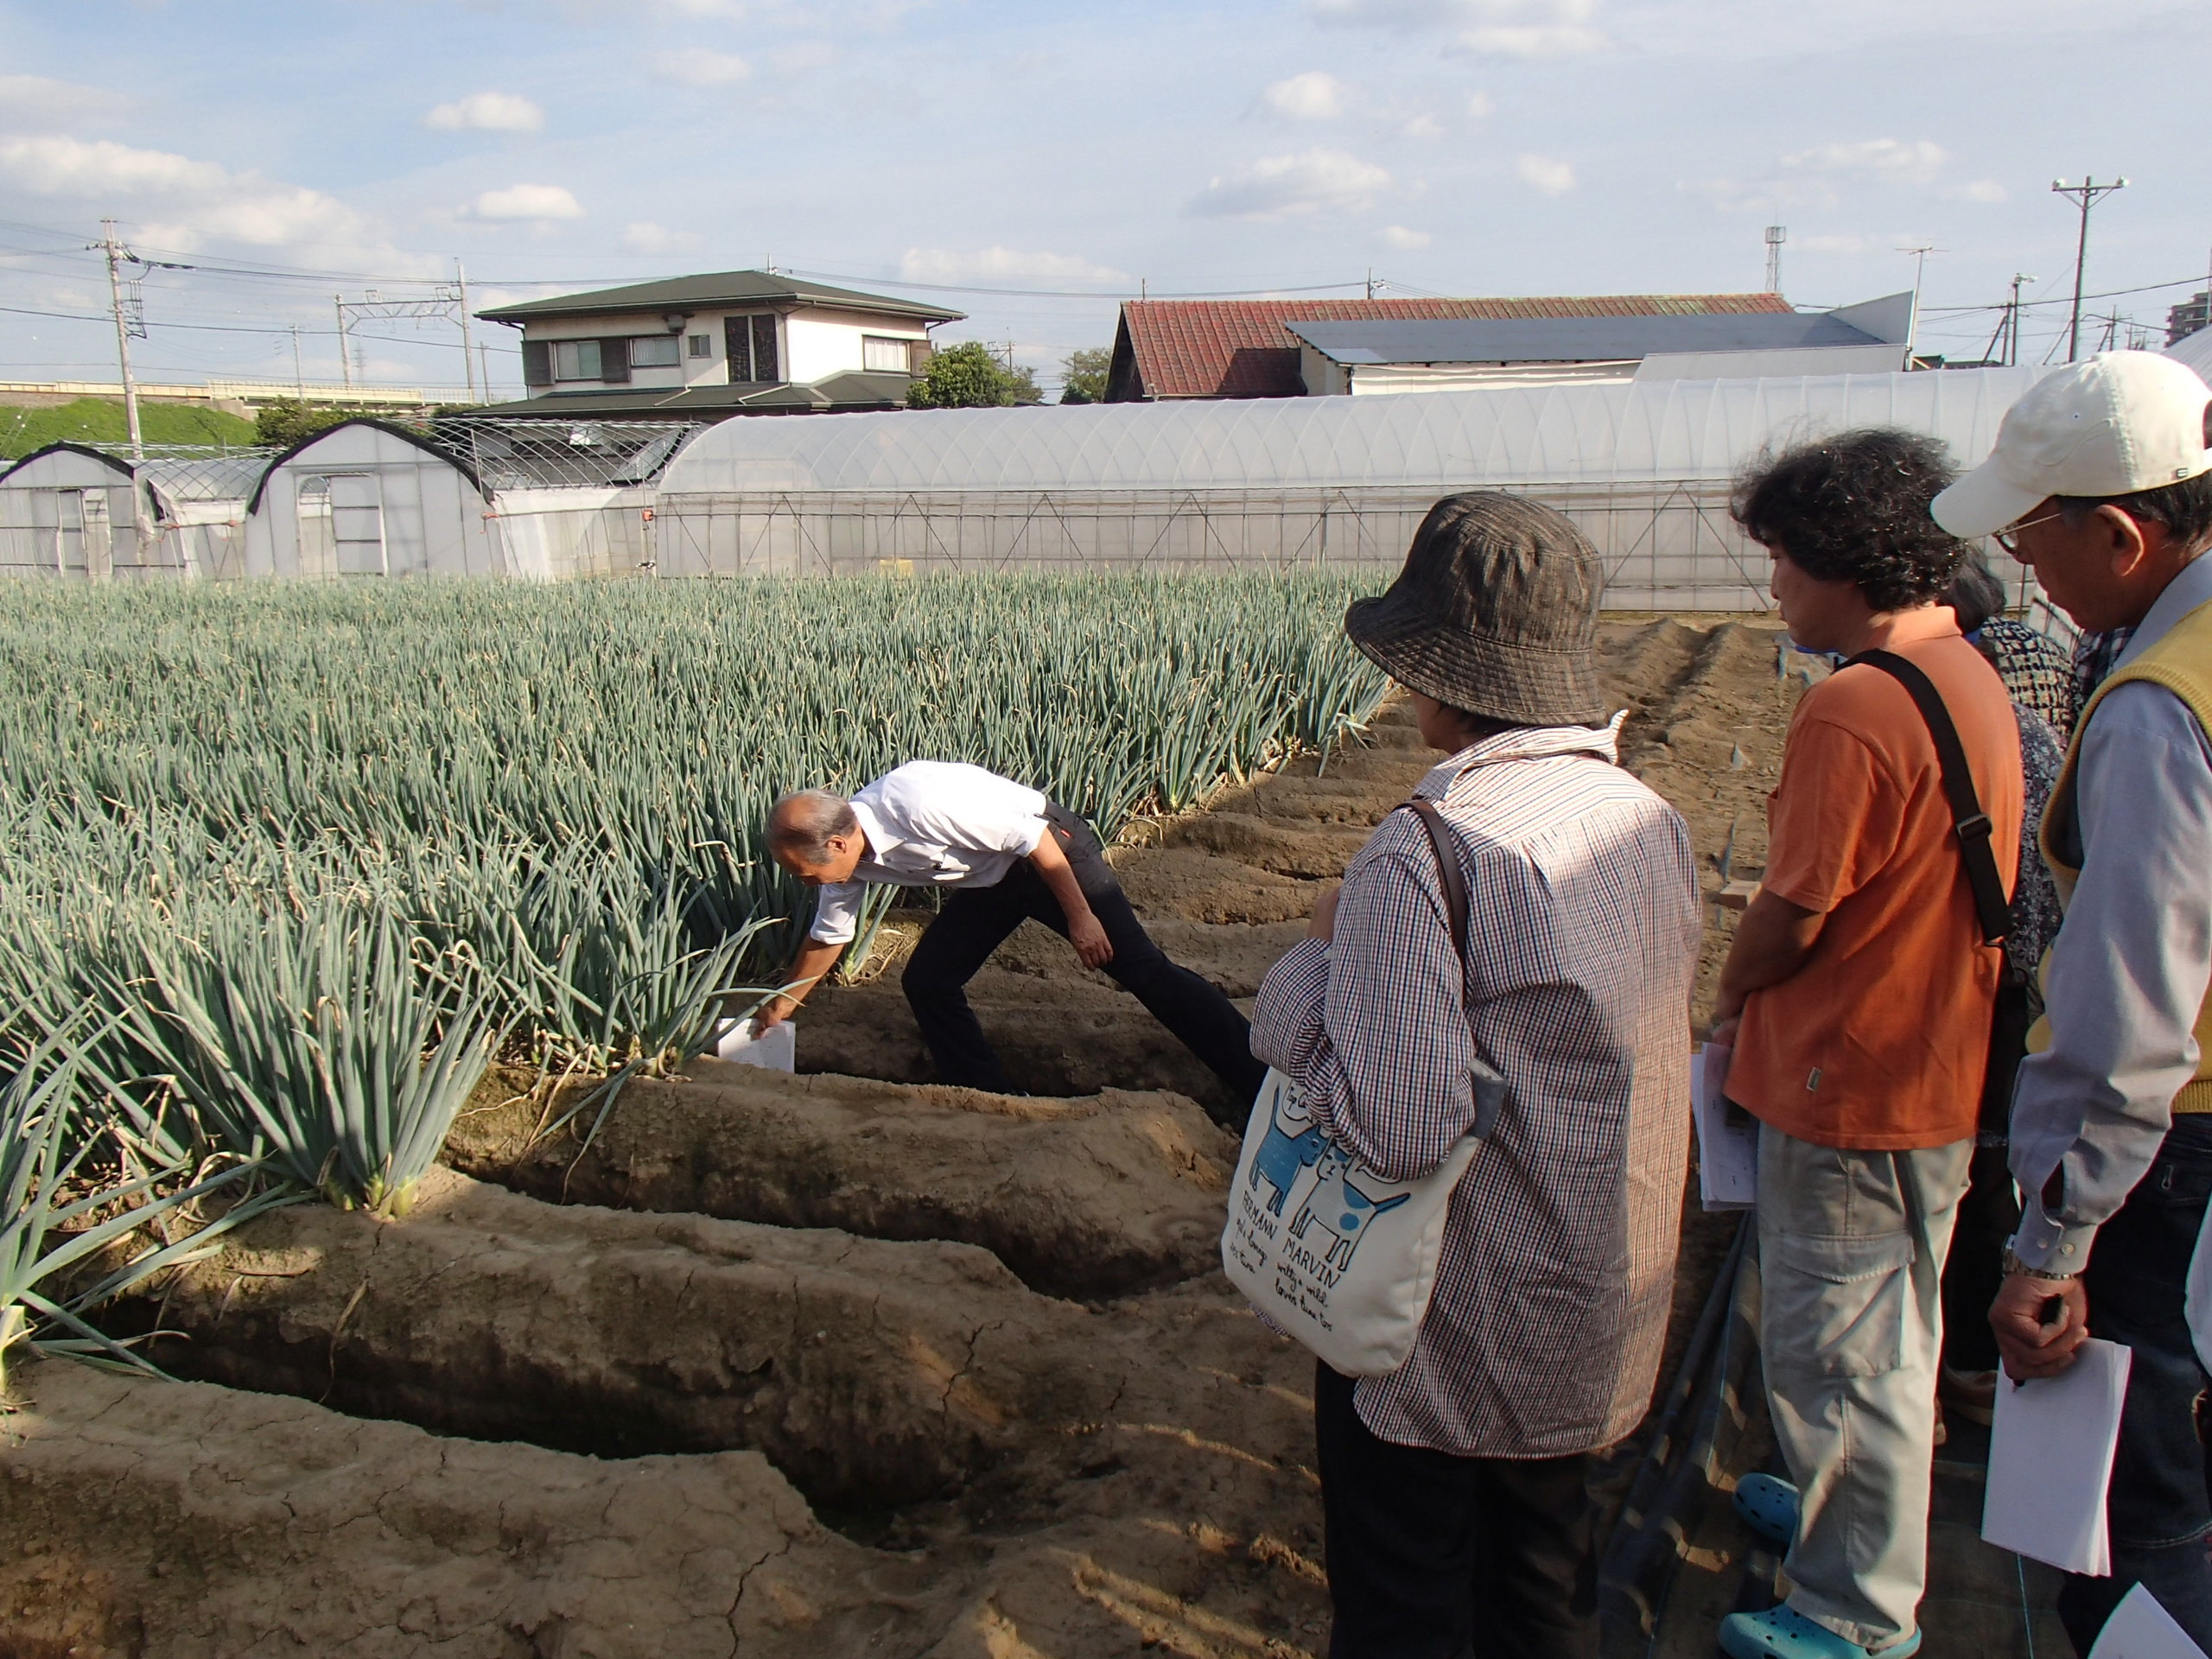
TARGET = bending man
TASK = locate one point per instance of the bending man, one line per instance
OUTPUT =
(1007, 854)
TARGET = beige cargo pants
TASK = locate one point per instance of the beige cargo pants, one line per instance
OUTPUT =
(1850, 1322)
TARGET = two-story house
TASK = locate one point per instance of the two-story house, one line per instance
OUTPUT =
(736, 342)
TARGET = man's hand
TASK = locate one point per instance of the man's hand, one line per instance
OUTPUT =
(772, 1013)
(1088, 934)
(1324, 924)
(2030, 1347)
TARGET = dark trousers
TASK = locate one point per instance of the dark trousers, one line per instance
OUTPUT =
(2159, 1509)
(1989, 1214)
(975, 921)
(1432, 1556)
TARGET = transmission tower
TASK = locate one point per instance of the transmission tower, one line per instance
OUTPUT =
(1775, 236)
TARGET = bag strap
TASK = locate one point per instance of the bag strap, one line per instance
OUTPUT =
(1968, 821)
(1448, 864)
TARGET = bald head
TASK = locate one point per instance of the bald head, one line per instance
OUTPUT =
(804, 824)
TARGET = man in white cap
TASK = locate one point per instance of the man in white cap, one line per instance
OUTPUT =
(2101, 480)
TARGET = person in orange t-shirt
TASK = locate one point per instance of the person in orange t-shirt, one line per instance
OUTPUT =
(1859, 996)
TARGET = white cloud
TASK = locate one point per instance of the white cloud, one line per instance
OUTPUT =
(1545, 173)
(699, 67)
(643, 236)
(199, 200)
(1316, 95)
(1284, 186)
(1423, 126)
(538, 201)
(1481, 106)
(1516, 29)
(1978, 190)
(944, 264)
(804, 58)
(1918, 163)
(487, 113)
(35, 103)
(1398, 236)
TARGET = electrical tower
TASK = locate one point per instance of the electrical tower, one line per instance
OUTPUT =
(448, 303)
(2084, 196)
(1775, 236)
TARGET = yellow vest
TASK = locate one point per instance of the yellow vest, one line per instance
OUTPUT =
(2181, 661)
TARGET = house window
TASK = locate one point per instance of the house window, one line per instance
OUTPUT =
(752, 344)
(883, 354)
(576, 359)
(700, 345)
(653, 352)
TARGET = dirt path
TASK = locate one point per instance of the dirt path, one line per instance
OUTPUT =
(982, 1336)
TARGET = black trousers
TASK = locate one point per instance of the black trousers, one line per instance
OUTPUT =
(2159, 1506)
(1432, 1556)
(1973, 1272)
(975, 921)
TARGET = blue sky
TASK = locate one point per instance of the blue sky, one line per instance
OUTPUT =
(1448, 146)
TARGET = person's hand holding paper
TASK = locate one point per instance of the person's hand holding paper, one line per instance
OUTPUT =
(2033, 1342)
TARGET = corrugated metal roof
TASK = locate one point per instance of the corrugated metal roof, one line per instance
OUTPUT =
(1243, 348)
(716, 288)
(1573, 340)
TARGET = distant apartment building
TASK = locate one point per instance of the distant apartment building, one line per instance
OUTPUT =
(2185, 319)
(739, 342)
(1172, 349)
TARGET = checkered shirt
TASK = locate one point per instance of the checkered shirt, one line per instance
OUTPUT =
(1543, 1336)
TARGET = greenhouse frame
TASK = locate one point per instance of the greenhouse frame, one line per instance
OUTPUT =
(1642, 467)
(74, 511)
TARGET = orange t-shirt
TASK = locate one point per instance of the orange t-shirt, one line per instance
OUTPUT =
(1880, 1041)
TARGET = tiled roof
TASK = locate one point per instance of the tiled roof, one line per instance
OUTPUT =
(1243, 349)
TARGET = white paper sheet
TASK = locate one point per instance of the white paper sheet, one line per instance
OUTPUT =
(2198, 1299)
(1727, 1153)
(2051, 1461)
(2140, 1629)
(778, 1050)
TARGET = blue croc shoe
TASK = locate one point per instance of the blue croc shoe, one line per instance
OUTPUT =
(1769, 1506)
(1780, 1633)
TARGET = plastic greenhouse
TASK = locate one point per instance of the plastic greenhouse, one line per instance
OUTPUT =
(367, 499)
(71, 509)
(1643, 467)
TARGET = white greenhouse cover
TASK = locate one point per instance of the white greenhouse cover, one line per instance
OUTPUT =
(1663, 430)
(2195, 350)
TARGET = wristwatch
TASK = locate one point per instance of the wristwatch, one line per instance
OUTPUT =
(2012, 1264)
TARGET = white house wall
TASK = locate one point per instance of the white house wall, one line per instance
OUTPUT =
(819, 344)
(432, 519)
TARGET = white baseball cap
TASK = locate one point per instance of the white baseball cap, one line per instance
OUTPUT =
(2112, 424)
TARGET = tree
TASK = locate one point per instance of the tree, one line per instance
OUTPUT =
(969, 376)
(1085, 380)
(285, 420)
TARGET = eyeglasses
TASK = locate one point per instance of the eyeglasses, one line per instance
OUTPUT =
(2008, 538)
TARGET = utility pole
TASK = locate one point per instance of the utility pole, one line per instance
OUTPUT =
(129, 320)
(1919, 264)
(345, 354)
(1370, 282)
(467, 353)
(2012, 320)
(299, 375)
(2084, 196)
(1775, 236)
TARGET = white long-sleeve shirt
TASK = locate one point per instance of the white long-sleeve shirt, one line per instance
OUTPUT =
(932, 823)
(2128, 971)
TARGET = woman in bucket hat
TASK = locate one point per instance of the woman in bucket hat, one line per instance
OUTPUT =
(1454, 1489)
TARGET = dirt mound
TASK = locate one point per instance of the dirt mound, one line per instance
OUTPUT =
(1092, 1197)
(869, 1372)
(173, 1520)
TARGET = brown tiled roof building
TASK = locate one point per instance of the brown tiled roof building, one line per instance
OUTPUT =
(1242, 348)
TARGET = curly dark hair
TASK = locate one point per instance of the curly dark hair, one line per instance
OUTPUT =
(1854, 508)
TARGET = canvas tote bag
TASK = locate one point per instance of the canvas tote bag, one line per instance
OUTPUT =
(1325, 1249)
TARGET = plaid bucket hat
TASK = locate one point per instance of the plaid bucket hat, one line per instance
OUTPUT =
(1496, 613)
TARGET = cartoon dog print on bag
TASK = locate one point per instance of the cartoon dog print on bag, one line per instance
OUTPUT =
(1282, 1158)
(1341, 1210)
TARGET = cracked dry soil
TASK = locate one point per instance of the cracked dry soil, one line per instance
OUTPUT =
(838, 1364)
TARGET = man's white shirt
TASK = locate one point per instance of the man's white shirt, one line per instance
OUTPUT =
(940, 824)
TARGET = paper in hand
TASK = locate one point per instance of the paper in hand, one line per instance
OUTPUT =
(2051, 1459)
(1727, 1153)
(777, 1049)
(2140, 1629)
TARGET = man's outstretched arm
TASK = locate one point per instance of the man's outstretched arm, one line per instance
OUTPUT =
(1085, 931)
(815, 959)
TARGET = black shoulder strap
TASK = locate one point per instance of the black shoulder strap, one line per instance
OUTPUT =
(1448, 864)
(1970, 822)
